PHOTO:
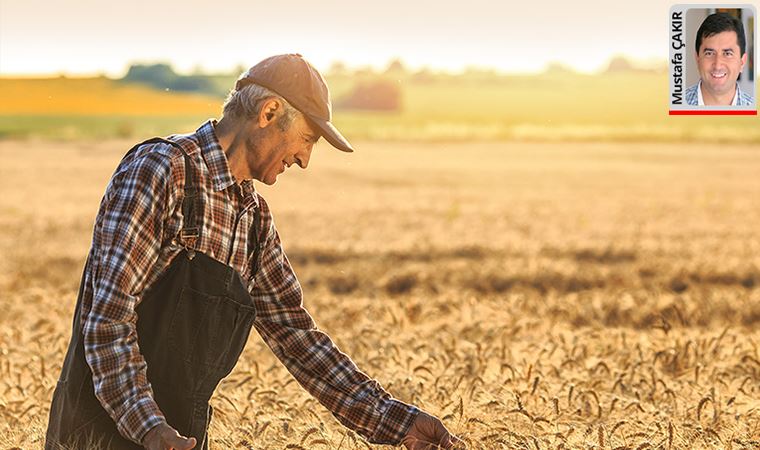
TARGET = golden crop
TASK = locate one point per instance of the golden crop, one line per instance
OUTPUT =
(95, 96)
(534, 296)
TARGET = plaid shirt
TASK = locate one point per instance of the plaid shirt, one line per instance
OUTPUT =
(693, 95)
(134, 240)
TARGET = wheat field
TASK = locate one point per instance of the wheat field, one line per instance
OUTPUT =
(534, 296)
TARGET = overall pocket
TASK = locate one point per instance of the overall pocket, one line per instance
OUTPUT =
(210, 330)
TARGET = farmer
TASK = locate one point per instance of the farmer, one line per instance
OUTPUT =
(721, 55)
(185, 259)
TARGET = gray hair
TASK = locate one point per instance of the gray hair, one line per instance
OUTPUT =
(246, 104)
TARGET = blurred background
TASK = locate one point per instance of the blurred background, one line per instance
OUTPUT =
(397, 70)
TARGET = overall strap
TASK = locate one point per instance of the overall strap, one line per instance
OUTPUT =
(190, 230)
(253, 239)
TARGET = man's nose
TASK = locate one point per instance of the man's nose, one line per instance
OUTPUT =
(302, 157)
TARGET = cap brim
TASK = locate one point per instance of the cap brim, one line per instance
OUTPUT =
(331, 134)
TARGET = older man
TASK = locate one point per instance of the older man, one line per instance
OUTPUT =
(185, 259)
(721, 55)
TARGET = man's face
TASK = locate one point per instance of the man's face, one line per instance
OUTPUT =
(278, 149)
(720, 62)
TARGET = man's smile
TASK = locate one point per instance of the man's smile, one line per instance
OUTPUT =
(721, 74)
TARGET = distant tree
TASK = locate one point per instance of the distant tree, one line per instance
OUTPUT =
(424, 75)
(555, 67)
(375, 95)
(160, 75)
(365, 71)
(479, 72)
(192, 83)
(395, 68)
(337, 69)
(641, 66)
(619, 63)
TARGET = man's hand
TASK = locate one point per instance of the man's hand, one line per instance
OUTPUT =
(164, 437)
(427, 433)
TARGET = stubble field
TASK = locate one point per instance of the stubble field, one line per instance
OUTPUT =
(532, 295)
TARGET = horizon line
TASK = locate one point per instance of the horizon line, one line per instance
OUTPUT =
(633, 64)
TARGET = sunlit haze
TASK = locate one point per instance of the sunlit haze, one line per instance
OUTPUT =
(80, 37)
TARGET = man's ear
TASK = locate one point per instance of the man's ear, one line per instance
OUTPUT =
(744, 60)
(269, 112)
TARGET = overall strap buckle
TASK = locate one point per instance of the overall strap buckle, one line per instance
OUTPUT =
(189, 237)
(190, 232)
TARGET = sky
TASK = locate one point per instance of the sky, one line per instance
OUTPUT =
(87, 37)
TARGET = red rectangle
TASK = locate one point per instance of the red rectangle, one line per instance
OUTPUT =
(702, 112)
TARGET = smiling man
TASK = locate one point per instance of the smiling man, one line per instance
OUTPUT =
(721, 56)
(185, 260)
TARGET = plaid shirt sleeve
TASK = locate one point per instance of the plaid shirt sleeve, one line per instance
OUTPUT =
(126, 243)
(356, 400)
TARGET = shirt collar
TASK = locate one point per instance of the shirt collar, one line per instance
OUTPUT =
(737, 95)
(219, 168)
(701, 101)
(216, 160)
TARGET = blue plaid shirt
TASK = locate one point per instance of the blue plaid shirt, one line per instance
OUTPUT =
(692, 96)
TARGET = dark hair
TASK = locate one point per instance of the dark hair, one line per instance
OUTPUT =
(718, 23)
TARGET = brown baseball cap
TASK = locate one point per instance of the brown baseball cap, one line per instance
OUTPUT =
(294, 79)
